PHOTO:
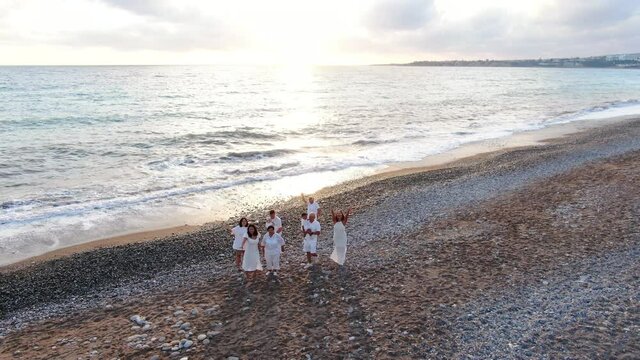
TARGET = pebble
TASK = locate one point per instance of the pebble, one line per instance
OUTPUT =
(155, 357)
(178, 312)
(138, 320)
(202, 337)
(194, 312)
(206, 341)
(186, 326)
(212, 310)
(233, 358)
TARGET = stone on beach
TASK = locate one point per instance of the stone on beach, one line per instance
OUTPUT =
(138, 320)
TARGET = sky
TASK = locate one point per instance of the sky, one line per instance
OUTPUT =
(330, 32)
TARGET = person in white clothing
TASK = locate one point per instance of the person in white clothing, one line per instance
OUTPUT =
(274, 220)
(311, 231)
(312, 206)
(303, 220)
(238, 232)
(273, 244)
(339, 253)
(251, 259)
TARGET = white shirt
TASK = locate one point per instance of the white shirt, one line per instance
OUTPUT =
(313, 226)
(272, 244)
(238, 234)
(276, 222)
(302, 222)
(313, 208)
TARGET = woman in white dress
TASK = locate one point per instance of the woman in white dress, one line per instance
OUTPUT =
(339, 253)
(273, 244)
(251, 260)
(239, 232)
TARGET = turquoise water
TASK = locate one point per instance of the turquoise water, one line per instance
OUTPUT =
(91, 152)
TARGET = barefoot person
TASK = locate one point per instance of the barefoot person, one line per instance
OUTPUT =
(312, 206)
(239, 233)
(339, 236)
(273, 244)
(274, 220)
(311, 230)
(251, 259)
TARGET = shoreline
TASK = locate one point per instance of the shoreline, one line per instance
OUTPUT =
(463, 153)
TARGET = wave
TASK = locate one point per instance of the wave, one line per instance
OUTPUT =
(219, 137)
(372, 142)
(270, 168)
(33, 210)
(256, 155)
(602, 111)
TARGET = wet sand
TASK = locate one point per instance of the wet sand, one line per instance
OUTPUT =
(523, 253)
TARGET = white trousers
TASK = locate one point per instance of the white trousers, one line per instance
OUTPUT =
(273, 261)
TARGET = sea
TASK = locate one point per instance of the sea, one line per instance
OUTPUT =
(92, 152)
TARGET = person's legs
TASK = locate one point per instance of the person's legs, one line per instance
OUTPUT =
(276, 263)
(269, 258)
(239, 258)
(314, 252)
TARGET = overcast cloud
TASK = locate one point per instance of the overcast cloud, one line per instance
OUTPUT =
(329, 31)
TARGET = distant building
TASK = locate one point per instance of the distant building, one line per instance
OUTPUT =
(624, 57)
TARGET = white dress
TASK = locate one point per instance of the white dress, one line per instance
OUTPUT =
(339, 253)
(251, 260)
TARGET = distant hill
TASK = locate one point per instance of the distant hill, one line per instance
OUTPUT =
(631, 61)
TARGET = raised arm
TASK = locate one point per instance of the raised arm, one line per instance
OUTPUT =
(346, 217)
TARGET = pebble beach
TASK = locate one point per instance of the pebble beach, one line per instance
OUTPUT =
(527, 252)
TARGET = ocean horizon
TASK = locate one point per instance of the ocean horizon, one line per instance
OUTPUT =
(89, 152)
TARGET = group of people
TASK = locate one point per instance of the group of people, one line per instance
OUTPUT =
(250, 247)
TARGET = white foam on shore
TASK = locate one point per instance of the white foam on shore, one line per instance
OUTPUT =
(607, 111)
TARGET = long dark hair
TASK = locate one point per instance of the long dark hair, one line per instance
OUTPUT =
(255, 231)
(240, 222)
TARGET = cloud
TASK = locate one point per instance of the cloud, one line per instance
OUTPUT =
(564, 28)
(590, 13)
(399, 14)
(387, 30)
(159, 9)
(163, 26)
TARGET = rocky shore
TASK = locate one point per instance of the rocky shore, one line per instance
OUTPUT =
(530, 252)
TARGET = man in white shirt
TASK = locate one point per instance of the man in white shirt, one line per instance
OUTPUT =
(275, 221)
(310, 245)
(312, 206)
